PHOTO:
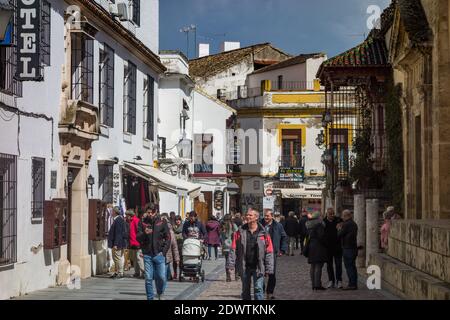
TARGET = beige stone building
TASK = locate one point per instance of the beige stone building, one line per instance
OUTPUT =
(413, 45)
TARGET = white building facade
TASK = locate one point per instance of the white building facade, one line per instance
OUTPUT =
(191, 122)
(67, 138)
(278, 130)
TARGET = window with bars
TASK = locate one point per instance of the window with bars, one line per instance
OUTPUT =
(106, 86)
(129, 99)
(136, 10)
(38, 187)
(149, 96)
(45, 32)
(8, 209)
(82, 67)
(106, 182)
(8, 63)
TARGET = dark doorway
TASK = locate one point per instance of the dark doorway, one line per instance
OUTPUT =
(291, 205)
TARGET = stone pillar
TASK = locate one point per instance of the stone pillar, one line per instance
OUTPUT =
(338, 199)
(360, 219)
(80, 225)
(372, 235)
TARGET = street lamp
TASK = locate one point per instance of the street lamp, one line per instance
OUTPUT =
(320, 140)
(90, 182)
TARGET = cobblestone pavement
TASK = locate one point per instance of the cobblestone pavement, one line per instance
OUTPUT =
(293, 283)
(127, 288)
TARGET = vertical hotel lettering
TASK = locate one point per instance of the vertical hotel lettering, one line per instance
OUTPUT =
(28, 40)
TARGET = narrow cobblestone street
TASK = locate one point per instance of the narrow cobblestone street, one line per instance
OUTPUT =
(293, 283)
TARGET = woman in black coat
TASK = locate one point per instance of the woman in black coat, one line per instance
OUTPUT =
(317, 250)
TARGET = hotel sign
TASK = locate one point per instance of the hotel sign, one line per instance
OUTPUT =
(28, 40)
(288, 174)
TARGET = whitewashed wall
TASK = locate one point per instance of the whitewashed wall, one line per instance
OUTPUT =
(34, 271)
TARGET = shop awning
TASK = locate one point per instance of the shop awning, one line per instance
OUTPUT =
(301, 194)
(163, 180)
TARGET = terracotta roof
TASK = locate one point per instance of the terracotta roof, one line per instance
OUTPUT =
(290, 62)
(371, 53)
(213, 64)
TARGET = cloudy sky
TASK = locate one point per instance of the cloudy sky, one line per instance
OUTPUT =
(295, 26)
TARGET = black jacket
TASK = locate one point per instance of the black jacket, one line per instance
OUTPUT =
(292, 227)
(317, 252)
(331, 236)
(278, 236)
(348, 235)
(158, 241)
(302, 226)
(117, 235)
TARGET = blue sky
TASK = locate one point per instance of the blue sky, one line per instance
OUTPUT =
(295, 26)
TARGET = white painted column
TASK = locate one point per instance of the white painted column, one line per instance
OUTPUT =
(373, 238)
(360, 219)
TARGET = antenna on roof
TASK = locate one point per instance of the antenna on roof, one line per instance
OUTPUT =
(186, 30)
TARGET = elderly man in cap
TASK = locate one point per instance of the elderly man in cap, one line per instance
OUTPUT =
(136, 257)
(117, 241)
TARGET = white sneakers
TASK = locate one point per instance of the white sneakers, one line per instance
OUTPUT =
(339, 285)
(330, 285)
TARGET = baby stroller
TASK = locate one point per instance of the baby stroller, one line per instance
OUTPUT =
(191, 262)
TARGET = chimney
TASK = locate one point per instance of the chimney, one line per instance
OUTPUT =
(203, 50)
(228, 46)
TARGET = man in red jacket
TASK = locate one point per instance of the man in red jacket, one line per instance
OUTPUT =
(136, 256)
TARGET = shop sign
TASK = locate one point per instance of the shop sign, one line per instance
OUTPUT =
(218, 200)
(289, 174)
(28, 40)
(269, 202)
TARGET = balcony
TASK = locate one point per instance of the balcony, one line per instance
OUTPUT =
(275, 94)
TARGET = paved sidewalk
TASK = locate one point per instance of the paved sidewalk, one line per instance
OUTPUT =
(293, 283)
(128, 288)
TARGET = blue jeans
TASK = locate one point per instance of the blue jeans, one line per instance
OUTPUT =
(258, 284)
(349, 256)
(155, 267)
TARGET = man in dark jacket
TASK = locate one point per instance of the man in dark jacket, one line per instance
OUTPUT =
(154, 238)
(316, 250)
(334, 249)
(193, 228)
(302, 229)
(292, 230)
(347, 233)
(280, 245)
(251, 254)
(117, 241)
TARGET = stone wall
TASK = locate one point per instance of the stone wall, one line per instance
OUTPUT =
(423, 245)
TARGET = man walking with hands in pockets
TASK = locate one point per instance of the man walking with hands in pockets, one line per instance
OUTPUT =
(252, 254)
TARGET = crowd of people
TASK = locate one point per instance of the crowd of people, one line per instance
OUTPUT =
(251, 245)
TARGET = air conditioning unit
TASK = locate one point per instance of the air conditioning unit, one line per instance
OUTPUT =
(119, 10)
